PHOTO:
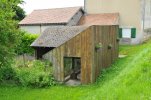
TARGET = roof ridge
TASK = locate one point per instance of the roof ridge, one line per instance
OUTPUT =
(58, 8)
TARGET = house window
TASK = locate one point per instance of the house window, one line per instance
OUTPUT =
(127, 32)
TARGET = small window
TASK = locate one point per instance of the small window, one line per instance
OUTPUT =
(127, 32)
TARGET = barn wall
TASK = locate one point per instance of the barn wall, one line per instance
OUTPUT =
(79, 46)
(83, 45)
(104, 57)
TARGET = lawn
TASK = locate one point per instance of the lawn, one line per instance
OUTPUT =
(128, 78)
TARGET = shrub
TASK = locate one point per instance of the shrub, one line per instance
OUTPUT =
(25, 42)
(7, 73)
(35, 74)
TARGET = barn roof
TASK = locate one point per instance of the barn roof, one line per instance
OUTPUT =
(56, 36)
(100, 19)
(50, 16)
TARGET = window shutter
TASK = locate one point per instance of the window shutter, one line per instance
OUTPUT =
(133, 32)
(120, 32)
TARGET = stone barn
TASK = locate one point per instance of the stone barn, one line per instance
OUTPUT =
(78, 52)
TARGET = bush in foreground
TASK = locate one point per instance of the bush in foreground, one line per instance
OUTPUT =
(6, 73)
(35, 73)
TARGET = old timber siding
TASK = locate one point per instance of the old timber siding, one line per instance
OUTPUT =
(83, 46)
(105, 56)
(79, 46)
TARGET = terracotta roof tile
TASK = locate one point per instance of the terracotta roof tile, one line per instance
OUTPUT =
(57, 35)
(100, 19)
(50, 16)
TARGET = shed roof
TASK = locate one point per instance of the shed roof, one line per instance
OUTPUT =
(56, 36)
(50, 16)
(100, 19)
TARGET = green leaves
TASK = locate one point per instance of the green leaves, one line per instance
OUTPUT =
(19, 13)
(9, 34)
(98, 46)
(25, 42)
(35, 74)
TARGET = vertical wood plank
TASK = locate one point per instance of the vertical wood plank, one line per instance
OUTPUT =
(93, 54)
(82, 59)
(62, 62)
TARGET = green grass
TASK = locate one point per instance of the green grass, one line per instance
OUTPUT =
(128, 78)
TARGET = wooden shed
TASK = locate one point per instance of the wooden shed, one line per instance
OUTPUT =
(84, 50)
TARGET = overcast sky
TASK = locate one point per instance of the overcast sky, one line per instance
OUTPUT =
(30, 5)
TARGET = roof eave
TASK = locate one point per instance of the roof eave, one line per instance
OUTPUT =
(32, 24)
(35, 46)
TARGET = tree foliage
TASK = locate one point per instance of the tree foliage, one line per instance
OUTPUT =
(9, 33)
(19, 13)
(26, 40)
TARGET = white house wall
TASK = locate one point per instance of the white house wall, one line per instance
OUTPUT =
(31, 29)
(147, 21)
(34, 29)
(129, 10)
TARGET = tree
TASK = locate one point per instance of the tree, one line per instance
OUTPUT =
(9, 33)
(19, 13)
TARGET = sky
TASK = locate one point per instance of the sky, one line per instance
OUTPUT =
(30, 5)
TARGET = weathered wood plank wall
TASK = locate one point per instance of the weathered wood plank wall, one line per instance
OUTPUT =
(79, 46)
(83, 46)
(105, 56)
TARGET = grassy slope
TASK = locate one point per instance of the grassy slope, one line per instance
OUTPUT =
(127, 79)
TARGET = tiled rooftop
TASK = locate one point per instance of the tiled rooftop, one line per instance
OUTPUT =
(100, 19)
(50, 16)
(55, 36)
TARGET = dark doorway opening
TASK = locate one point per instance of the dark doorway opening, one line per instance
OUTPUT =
(40, 51)
(72, 68)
